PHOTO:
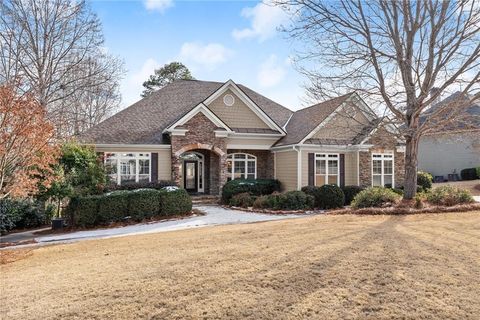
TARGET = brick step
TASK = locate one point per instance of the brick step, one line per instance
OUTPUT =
(205, 199)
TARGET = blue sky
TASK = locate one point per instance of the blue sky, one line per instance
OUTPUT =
(217, 40)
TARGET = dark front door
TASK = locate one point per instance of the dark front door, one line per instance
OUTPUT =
(190, 175)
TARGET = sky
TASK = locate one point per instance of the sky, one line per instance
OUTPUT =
(216, 40)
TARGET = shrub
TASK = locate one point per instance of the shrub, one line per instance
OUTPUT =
(293, 200)
(315, 193)
(375, 197)
(449, 196)
(328, 196)
(263, 202)
(112, 207)
(243, 200)
(425, 180)
(23, 213)
(140, 185)
(350, 192)
(175, 202)
(469, 174)
(143, 203)
(258, 187)
(83, 211)
(477, 169)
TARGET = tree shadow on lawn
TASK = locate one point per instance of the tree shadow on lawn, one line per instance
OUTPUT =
(374, 276)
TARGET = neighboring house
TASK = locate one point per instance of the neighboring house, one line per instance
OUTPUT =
(454, 147)
(202, 134)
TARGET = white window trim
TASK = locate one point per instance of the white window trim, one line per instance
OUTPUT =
(117, 156)
(231, 158)
(382, 175)
(326, 167)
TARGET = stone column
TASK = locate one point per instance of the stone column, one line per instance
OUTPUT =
(223, 171)
(176, 174)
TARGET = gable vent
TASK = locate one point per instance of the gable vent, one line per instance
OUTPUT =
(229, 100)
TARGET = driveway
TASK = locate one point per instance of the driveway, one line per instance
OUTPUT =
(214, 215)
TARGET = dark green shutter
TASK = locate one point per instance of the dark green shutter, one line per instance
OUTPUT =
(311, 169)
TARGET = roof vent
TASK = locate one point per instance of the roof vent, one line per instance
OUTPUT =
(229, 100)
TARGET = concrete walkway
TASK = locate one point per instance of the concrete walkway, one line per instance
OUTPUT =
(21, 236)
(477, 198)
(214, 215)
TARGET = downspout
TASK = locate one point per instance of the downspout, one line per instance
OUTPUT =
(299, 166)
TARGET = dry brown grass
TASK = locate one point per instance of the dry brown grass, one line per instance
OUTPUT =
(322, 267)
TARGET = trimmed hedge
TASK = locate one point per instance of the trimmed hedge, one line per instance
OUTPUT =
(424, 180)
(328, 196)
(375, 197)
(257, 187)
(175, 202)
(350, 192)
(469, 174)
(449, 196)
(137, 205)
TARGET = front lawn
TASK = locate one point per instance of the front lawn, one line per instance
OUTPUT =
(324, 267)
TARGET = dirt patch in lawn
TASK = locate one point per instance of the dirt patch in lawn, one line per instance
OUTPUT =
(319, 267)
(9, 256)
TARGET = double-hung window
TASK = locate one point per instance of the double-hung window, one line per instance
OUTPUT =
(382, 170)
(241, 166)
(128, 167)
(327, 169)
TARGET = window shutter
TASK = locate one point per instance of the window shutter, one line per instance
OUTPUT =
(154, 166)
(342, 170)
(311, 169)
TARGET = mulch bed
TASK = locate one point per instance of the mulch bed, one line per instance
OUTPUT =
(402, 210)
(275, 212)
(125, 223)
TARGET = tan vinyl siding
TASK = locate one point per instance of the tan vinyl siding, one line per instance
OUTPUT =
(237, 116)
(351, 167)
(347, 124)
(164, 158)
(286, 169)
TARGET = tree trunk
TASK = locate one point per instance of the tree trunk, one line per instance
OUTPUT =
(411, 153)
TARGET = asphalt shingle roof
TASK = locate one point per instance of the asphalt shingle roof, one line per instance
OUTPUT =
(305, 120)
(144, 121)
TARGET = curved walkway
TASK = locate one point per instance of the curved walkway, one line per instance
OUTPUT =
(214, 215)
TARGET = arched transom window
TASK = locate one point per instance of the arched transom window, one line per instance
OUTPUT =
(241, 166)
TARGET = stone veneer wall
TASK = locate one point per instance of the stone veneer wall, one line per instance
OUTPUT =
(265, 161)
(382, 141)
(201, 136)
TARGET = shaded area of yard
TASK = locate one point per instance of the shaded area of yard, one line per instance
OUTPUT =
(335, 267)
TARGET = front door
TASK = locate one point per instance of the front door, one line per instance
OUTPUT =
(190, 175)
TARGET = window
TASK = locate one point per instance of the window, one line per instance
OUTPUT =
(128, 167)
(382, 170)
(327, 169)
(241, 166)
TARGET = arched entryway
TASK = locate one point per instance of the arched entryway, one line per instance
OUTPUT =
(193, 171)
(199, 171)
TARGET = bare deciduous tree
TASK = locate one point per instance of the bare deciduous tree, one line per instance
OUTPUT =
(402, 55)
(55, 48)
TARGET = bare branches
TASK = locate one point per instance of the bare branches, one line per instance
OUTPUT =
(55, 47)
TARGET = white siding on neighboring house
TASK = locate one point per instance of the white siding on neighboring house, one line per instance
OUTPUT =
(286, 169)
(444, 154)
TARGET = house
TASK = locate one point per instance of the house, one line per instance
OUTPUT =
(202, 134)
(454, 147)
